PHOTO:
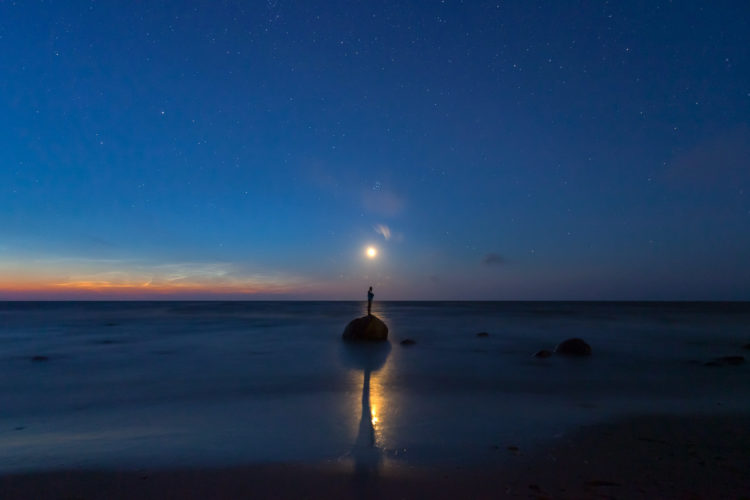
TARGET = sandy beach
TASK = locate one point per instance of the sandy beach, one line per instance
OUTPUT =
(691, 457)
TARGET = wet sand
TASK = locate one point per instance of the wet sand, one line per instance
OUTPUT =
(642, 457)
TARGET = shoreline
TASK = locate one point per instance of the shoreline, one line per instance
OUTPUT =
(649, 456)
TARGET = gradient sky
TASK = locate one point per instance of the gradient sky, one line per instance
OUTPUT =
(489, 150)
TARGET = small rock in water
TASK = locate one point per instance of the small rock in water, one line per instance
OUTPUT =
(544, 353)
(573, 347)
(38, 358)
(408, 342)
(726, 360)
(747, 346)
(483, 334)
(731, 360)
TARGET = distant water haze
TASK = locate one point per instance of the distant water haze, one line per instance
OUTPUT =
(194, 383)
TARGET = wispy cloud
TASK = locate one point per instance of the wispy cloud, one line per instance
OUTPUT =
(383, 230)
(383, 202)
(493, 259)
(723, 159)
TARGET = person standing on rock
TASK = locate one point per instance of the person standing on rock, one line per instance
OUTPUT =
(370, 296)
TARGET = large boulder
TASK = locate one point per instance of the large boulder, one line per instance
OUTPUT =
(366, 328)
(573, 347)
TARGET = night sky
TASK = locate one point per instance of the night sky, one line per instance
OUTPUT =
(487, 150)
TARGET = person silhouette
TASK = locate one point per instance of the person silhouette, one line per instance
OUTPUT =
(370, 296)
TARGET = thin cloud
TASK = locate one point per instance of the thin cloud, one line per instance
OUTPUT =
(723, 159)
(382, 202)
(493, 259)
(383, 230)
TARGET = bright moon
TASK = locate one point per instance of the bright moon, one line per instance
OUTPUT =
(371, 252)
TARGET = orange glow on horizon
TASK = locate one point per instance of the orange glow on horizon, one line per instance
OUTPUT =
(23, 289)
(80, 279)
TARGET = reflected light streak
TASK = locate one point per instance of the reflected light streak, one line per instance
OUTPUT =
(376, 402)
(378, 405)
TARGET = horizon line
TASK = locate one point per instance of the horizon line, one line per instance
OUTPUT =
(388, 300)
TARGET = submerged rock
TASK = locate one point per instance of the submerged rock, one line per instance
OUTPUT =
(726, 360)
(732, 360)
(39, 358)
(747, 346)
(544, 353)
(483, 334)
(366, 328)
(600, 482)
(573, 347)
(408, 342)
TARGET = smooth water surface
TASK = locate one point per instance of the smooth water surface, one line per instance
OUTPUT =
(135, 384)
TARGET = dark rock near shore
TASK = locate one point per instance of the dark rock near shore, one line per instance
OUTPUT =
(746, 346)
(573, 347)
(544, 353)
(483, 334)
(366, 328)
(408, 342)
(38, 358)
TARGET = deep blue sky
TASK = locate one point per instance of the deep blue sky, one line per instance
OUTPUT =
(511, 150)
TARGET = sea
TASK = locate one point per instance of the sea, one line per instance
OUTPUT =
(186, 384)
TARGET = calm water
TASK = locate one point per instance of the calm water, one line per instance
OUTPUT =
(187, 383)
